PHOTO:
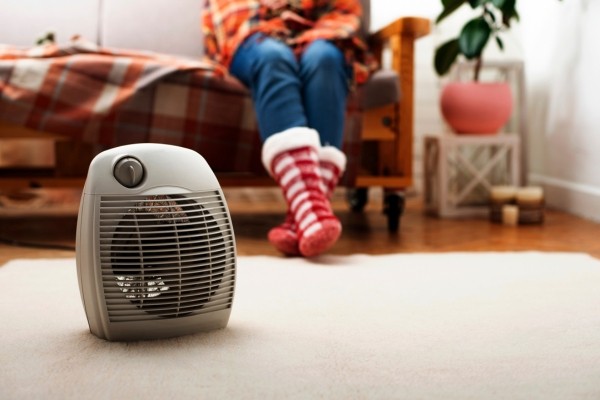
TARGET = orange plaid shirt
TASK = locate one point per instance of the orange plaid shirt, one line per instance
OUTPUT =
(227, 23)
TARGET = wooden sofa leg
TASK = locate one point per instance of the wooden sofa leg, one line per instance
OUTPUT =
(357, 198)
(393, 207)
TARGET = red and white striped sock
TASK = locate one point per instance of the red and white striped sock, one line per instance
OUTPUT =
(291, 159)
(284, 236)
(332, 164)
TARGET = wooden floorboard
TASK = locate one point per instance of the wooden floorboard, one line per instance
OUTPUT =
(50, 233)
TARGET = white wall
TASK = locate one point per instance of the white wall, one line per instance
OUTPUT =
(22, 22)
(558, 43)
(175, 24)
(168, 26)
(565, 86)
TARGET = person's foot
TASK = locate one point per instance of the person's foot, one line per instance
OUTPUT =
(284, 237)
(291, 159)
(320, 238)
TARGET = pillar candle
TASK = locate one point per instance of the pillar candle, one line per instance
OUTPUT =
(510, 215)
(531, 195)
(503, 194)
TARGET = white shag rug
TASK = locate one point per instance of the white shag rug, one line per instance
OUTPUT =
(422, 326)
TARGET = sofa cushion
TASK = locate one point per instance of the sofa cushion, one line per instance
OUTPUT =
(383, 88)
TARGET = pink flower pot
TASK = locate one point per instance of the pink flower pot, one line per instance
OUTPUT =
(475, 107)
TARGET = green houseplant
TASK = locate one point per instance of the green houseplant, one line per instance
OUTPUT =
(475, 107)
(495, 17)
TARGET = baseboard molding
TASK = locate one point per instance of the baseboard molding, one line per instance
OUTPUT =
(576, 198)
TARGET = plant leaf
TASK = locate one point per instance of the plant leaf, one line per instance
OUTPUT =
(447, 3)
(476, 3)
(500, 43)
(473, 38)
(498, 3)
(516, 15)
(449, 7)
(48, 38)
(445, 55)
(509, 11)
(490, 14)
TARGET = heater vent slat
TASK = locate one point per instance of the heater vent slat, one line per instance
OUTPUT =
(185, 300)
(117, 298)
(197, 198)
(183, 262)
(165, 256)
(126, 264)
(192, 250)
(181, 276)
(172, 217)
(168, 259)
(163, 224)
(114, 209)
(173, 309)
(146, 317)
(157, 244)
(159, 288)
(152, 284)
(198, 240)
(183, 265)
(140, 206)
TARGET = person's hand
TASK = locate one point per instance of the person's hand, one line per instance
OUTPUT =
(274, 4)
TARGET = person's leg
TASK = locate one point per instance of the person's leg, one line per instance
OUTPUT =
(269, 69)
(324, 74)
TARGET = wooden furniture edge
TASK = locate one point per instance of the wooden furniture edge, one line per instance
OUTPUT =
(409, 26)
(400, 35)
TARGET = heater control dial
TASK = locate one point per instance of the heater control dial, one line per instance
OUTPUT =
(129, 172)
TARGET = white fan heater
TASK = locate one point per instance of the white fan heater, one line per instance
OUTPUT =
(155, 245)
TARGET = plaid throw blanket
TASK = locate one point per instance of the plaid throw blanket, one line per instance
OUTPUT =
(226, 23)
(110, 98)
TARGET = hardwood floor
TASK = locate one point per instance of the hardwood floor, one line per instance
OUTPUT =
(255, 211)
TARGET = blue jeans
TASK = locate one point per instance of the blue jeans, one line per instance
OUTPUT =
(290, 93)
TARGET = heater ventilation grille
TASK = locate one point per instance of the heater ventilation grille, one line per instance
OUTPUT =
(166, 256)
